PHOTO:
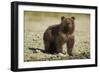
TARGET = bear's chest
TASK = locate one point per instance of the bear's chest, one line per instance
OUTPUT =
(63, 37)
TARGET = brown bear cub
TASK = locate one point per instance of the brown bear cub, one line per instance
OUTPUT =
(57, 35)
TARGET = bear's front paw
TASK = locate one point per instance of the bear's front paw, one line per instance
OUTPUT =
(70, 54)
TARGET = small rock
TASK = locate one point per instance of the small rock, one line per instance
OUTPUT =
(62, 55)
(38, 51)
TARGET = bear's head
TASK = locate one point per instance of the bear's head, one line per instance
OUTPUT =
(68, 24)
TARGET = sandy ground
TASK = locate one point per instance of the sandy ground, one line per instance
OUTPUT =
(35, 23)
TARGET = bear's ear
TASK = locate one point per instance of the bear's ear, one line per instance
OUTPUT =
(73, 17)
(62, 18)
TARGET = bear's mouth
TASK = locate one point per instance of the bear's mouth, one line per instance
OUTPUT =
(69, 25)
(65, 29)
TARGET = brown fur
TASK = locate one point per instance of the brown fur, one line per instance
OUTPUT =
(57, 35)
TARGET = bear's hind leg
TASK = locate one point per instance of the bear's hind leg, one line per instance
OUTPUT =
(47, 46)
